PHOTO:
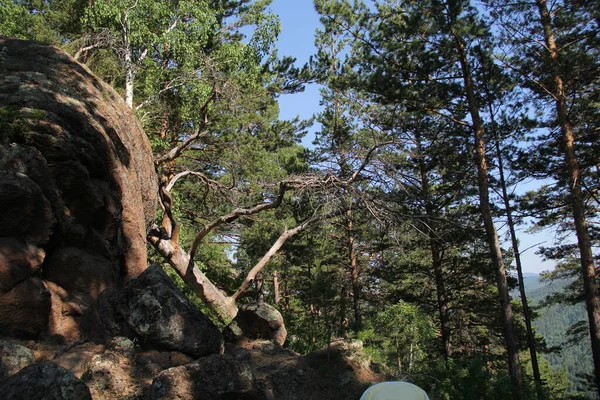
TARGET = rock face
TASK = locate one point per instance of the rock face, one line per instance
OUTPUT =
(157, 310)
(44, 381)
(77, 190)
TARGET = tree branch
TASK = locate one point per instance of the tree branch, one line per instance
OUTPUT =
(288, 233)
(232, 216)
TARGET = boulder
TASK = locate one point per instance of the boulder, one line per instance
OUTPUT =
(113, 322)
(13, 358)
(211, 378)
(154, 307)
(77, 190)
(78, 271)
(261, 321)
(44, 381)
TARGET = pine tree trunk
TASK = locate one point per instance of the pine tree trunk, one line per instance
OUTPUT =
(514, 366)
(590, 284)
(276, 294)
(436, 260)
(515, 245)
(441, 298)
(354, 273)
(343, 331)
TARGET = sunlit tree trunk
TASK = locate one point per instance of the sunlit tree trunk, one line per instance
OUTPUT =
(515, 245)
(512, 348)
(590, 284)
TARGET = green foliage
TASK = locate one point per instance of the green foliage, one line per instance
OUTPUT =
(15, 123)
(554, 323)
(467, 380)
(393, 91)
(15, 21)
(401, 336)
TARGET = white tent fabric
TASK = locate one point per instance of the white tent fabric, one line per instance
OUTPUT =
(394, 391)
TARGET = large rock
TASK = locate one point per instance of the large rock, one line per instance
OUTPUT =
(44, 381)
(26, 213)
(211, 378)
(77, 187)
(158, 311)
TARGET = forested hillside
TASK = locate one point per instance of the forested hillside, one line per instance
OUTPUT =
(553, 323)
(398, 226)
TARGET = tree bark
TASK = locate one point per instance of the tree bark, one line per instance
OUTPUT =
(277, 297)
(288, 233)
(129, 70)
(514, 366)
(588, 269)
(515, 245)
(354, 272)
(224, 306)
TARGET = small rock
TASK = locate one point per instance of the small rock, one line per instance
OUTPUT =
(44, 381)
(261, 321)
(121, 345)
(267, 347)
(76, 357)
(13, 358)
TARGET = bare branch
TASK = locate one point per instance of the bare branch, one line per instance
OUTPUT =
(366, 161)
(449, 117)
(235, 214)
(177, 150)
(288, 233)
(102, 38)
(224, 306)
(209, 182)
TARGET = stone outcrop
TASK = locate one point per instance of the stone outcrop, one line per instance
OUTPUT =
(77, 191)
(121, 368)
(211, 378)
(84, 315)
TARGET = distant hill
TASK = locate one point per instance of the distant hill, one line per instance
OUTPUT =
(553, 323)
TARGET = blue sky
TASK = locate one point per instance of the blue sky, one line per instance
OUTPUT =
(299, 21)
